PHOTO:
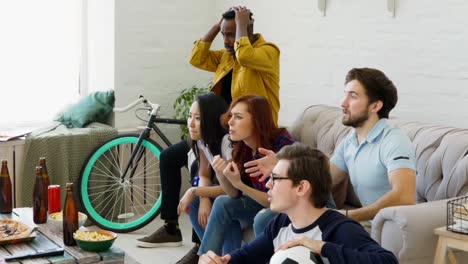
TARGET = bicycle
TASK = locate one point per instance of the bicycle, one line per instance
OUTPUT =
(120, 187)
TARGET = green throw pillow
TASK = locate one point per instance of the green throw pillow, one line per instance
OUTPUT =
(95, 107)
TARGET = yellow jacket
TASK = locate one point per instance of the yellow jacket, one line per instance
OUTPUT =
(256, 68)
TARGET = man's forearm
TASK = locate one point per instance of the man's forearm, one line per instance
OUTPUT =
(241, 31)
(392, 198)
(211, 34)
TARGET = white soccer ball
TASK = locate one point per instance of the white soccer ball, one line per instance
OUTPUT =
(292, 255)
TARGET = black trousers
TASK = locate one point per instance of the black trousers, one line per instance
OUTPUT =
(172, 160)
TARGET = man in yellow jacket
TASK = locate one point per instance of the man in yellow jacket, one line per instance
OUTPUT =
(247, 64)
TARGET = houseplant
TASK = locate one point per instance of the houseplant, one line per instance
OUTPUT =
(184, 101)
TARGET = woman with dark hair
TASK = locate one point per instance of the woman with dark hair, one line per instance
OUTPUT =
(206, 137)
(251, 126)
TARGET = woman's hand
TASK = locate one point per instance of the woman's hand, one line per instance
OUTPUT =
(314, 245)
(184, 204)
(233, 175)
(204, 211)
(263, 166)
(219, 164)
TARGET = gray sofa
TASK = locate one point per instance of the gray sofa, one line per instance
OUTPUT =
(442, 173)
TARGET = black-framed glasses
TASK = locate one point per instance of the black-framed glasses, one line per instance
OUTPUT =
(274, 177)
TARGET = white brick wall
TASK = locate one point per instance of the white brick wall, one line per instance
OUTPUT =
(153, 42)
(422, 49)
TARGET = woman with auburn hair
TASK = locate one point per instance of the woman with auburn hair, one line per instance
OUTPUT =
(251, 127)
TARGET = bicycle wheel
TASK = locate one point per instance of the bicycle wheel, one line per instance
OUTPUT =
(113, 204)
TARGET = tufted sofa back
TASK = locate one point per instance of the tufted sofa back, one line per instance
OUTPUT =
(441, 152)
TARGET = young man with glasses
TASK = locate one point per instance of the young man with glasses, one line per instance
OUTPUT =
(299, 189)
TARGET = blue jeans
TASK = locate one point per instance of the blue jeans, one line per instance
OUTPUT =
(230, 243)
(262, 219)
(224, 224)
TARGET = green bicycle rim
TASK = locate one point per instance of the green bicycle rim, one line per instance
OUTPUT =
(84, 186)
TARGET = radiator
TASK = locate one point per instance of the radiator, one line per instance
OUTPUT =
(13, 152)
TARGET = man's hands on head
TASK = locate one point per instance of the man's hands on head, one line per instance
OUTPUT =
(262, 167)
(242, 16)
(211, 258)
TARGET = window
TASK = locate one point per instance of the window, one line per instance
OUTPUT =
(39, 59)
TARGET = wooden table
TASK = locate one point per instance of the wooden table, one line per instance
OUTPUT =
(449, 239)
(71, 254)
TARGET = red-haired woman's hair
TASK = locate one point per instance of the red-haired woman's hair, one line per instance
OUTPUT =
(264, 131)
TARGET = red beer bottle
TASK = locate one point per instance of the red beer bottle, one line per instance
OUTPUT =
(70, 217)
(45, 174)
(39, 198)
(6, 203)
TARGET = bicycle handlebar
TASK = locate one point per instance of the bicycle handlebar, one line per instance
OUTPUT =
(154, 108)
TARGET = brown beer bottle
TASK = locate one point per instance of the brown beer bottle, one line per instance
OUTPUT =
(70, 217)
(6, 203)
(39, 198)
(45, 174)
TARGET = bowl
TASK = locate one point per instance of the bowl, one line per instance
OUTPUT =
(56, 220)
(86, 240)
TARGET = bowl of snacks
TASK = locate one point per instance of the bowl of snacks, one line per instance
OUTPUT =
(57, 219)
(94, 240)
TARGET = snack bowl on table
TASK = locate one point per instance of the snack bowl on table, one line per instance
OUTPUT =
(57, 219)
(94, 240)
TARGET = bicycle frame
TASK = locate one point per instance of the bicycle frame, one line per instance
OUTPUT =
(151, 124)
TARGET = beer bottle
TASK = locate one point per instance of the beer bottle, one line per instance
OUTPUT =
(70, 217)
(6, 203)
(39, 198)
(45, 174)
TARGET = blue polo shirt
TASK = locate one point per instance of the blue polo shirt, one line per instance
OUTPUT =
(368, 164)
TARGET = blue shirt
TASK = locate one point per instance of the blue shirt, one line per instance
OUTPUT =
(368, 164)
(346, 241)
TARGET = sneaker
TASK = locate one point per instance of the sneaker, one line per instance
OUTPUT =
(190, 258)
(161, 238)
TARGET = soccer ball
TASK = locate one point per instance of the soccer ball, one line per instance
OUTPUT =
(293, 255)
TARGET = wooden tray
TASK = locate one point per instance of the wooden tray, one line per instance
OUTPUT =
(41, 246)
(31, 237)
(27, 235)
